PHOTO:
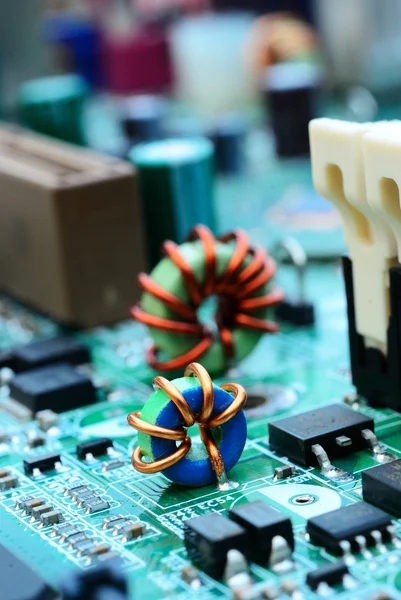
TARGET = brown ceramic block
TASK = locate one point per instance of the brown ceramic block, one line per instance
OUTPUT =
(71, 240)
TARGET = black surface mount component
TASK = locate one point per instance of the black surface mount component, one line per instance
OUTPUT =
(299, 314)
(262, 523)
(7, 359)
(142, 118)
(19, 581)
(228, 137)
(43, 462)
(106, 580)
(49, 352)
(331, 574)
(381, 486)
(95, 447)
(295, 436)
(290, 92)
(57, 387)
(376, 377)
(345, 524)
(209, 538)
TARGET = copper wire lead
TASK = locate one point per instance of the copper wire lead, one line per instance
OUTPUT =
(238, 289)
(203, 419)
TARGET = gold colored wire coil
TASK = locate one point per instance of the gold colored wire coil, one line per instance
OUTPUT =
(203, 419)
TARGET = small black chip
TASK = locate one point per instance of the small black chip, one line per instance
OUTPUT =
(106, 580)
(331, 574)
(209, 538)
(57, 387)
(262, 523)
(382, 487)
(335, 427)
(19, 581)
(49, 352)
(44, 462)
(94, 447)
(345, 524)
(7, 359)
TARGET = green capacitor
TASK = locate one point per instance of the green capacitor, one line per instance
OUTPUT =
(176, 178)
(54, 106)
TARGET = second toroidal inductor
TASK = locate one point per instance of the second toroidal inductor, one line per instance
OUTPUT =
(228, 268)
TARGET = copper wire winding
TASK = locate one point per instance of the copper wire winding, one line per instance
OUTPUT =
(236, 290)
(203, 419)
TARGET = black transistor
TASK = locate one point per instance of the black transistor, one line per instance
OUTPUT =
(336, 428)
(209, 538)
(43, 462)
(332, 574)
(345, 524)
(48, 352)
(102, 581)
(382, 487)
(262, 523)
(57, 387)
(95, 447)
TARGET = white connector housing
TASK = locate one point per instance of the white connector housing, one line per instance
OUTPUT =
(340, 175)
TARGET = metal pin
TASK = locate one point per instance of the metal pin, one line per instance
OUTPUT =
(327, 469)
(343, 441)
(346, 549)
(280, 556)
(378, 538)
(381, 455)
(362, 543)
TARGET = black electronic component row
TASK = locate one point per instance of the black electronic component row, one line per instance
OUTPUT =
(262, 523)
(381, 486)
(49, 352)
(250, 529)
(345, 524)
(43, 462)
(332, 574)
(327, 426)
(106, 580)
(96, 447)
(58, 387)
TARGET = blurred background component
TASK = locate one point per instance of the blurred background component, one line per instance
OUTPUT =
(362, 42)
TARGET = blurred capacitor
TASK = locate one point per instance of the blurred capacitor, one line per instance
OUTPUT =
(138, 61)
(209, 62)
(176, 186)
(228, 136)
(54, 106)
(142, 118)
(291, 93)
(301, 7)
(80, 41)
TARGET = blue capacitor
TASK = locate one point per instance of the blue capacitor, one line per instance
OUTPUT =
(195, 468)
(82, 41)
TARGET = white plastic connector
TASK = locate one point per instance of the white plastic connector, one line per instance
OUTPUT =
(382, 157)
(339, 175)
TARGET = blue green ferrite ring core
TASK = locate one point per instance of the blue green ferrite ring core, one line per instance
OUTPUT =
(195, 468)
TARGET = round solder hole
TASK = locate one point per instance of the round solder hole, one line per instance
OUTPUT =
(303, 499)
(255, 400)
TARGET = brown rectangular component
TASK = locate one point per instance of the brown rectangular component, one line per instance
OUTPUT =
(71, 242)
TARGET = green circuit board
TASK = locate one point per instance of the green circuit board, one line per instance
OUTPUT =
(296, 370)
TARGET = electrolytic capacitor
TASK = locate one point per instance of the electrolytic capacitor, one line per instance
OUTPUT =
(228, 136)
(176, 186)
(291, 91)
(142, 118)
(54, 106)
